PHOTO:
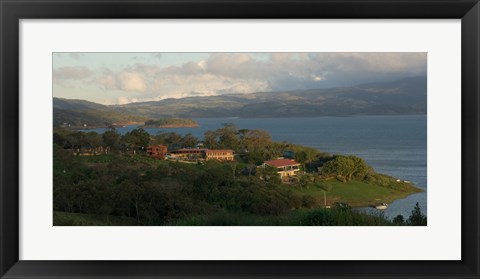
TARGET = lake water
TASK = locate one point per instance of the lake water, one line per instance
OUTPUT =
(393, 145)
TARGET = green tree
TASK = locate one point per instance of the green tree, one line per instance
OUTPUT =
(188, 141)
(311, 155)
(210, 140)
(111, 138)
(268, 174)
(399, 220)
(137, 138)
(342, 167)
(346, 168)
(169, 139)
(416, 218)
(301, 157)
(305, 180)
(361, 169)
(256, 139)
(228, 136)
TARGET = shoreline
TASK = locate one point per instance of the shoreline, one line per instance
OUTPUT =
(169, 126)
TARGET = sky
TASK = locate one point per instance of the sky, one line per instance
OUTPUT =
(121, 78)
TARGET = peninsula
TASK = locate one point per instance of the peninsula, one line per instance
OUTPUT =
(171, 123)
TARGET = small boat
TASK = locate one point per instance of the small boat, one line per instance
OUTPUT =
(382, 206)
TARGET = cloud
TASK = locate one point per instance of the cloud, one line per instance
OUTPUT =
(125, 100)
(72, 73)
(76, 55)
(224, 73)
(127, 81)
(131, 81)
(106, 82)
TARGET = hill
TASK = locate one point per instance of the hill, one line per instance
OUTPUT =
(405, 96)
(77, 113)
(171, 123)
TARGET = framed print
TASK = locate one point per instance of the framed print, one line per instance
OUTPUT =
(239, 139)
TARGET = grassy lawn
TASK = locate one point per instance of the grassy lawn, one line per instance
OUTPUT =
(356, 194)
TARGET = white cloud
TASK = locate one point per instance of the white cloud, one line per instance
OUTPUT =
(131, 81)
(106, 82)
(76, 55)
(73, 73)
(223, 73)
(126, 100)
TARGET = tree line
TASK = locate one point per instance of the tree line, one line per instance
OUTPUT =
(255, 146)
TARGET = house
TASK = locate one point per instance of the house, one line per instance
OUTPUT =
(203, 153)
(93, 151)
(219, 154)
(285, 167)
(190, 153)
(157, 151)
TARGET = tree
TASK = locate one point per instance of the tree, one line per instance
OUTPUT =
(188, 141)
(170, 138)
(341, 166)
(399, 220)
(301, 157)
(136, 138)
(416, 217)
(111, 138)
(256, 139)
(228, 136)
(268, 174)
(347, 168)
(311, 154)
(242, 134)
(210, 140)
(305, 180)
(361, 169)
(233, 166)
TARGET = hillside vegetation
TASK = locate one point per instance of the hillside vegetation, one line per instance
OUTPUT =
(115, 182)
(405, 96)
(80, 113)
(170, 123)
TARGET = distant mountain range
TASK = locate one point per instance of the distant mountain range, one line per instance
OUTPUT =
(404, 96)
(79, 113)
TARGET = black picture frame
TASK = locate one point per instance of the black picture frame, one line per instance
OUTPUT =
(11, 11)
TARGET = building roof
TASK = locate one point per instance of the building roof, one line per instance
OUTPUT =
(281, 163)
(218, 151)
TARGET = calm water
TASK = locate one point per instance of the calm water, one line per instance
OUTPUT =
(394, 145)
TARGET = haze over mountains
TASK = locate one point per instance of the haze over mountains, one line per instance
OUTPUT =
(404, 96)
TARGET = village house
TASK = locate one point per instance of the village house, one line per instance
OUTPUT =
(189, 153)
(204, 153)
(91, 151)
(157, 151)
(285, 167)
(219, 154)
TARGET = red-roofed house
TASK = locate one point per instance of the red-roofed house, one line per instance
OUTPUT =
(157, 151)
(285, 167)
(219, 154)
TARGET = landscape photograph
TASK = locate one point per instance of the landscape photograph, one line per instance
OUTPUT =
(239, 139)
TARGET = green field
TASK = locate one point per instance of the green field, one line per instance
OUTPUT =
(357, 194)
